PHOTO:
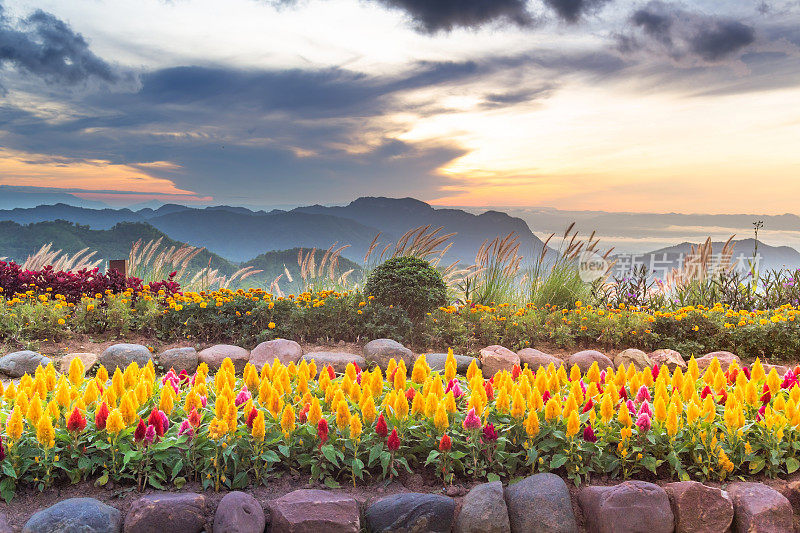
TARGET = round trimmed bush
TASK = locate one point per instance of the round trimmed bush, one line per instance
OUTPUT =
(409, 283)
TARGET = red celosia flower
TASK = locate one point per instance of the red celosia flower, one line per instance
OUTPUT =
(76, 422)
(251, 416)
(515, 372)
(380, 427)
(489, 390)
(101, 416)
(410, 394)
(723, 396)
(546, 396)
(156, 421)
(489, 433)
(358, 368)
(302, 416)
(623, 393)
(393, 442)
(746, 371)
(322, 431)
(194, 417)
(588, 407)
(331, 373)
(2, 449)
(654, 371)
(445, 444)
(705, 392)
(588, 434)
(141, 429)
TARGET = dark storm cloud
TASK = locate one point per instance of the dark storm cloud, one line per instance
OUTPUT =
(685, 35)
(432, 16)
(45, 46)
(573, 10)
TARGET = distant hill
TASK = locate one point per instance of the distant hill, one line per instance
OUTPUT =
(19, 241)
(12, 196)
(771, 257)
(240, 234)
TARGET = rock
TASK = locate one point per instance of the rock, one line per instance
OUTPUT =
(483, 510)
(121, 355)
(179, 359)
(637, 358)
(380, 351)
(792, 492)
(780, 369)
(411, 512)
(88, 359)
(76, 515)
(725, 360)
(4, 527)
(284, 350)
(540, 504)
(759, 508)
(698, 508)
(338, 360)
(312, 510)
(25, 362)
(585, 358)
(239, 512)
(213, 356)
(437, 362)
(671, 358)
(535, 358)
(495, 358)
(173, 512)
(630, 507)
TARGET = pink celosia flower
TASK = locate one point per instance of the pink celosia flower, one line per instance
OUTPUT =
(489, 433)
(471, 421)
(186, 429)
(643, 394)
(149, 435)
(643, 423)
(243, 396)
(645, 409)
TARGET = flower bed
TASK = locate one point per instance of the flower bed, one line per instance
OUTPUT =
(248, 317)
(231, 432)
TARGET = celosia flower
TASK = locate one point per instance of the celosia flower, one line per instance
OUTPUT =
(322, 431)
(393, 442)
(331, 373)
(705, 392)
(258, 428)
(138, 433)
(186, 429)
(645, 409)
(471, 421)
(588, 434)
(14, 424)
(156, 421)
(445, 444)
(623, 394)
(251, 416)
(380, 427)
(149, 435)
(588, 407)
(546, 396)
(76, 422)
(489, 389)
(302, 416)
(489, 433)
(194, 418)
(243, 396)
(643, 422)
(2, 450)
(45, 433)
(573, 424)
(643, 394)
(115, 423)
(410, 393)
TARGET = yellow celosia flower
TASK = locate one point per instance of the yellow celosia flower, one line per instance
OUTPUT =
(518, 405)
(167, 402)
(127, 409)
(259, 427)
(14, 424)
(315, 412)
(217, 429)
(45, 433)
(401, 406)
(532, 424)
(624, 415)
(671, 423)
(450, 402)
(552, 409)
(355, 427)
(420, 371)
(660, 409)
(606, 408)
(503, 402)
(288, 420)
(573, 424)
(440, 420)
(343, 415)
(35, 411)
(76, 371)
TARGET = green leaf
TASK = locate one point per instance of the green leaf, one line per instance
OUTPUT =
(330, 454)
(9, 470)
(492, 477)
(792, 465)
(270, 456)
(177, 468)
(7, 489)
(558, 461)
(374, 453)
(284, 449)
(331, 483)
(179, 482)
(102, 480)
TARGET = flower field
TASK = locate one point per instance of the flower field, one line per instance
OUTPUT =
(252, 316)
(231, 432)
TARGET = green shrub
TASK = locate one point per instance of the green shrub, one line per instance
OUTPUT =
(409, 283)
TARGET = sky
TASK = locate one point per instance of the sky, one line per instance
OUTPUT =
(614, 105)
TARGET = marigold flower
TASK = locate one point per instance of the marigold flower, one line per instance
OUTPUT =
(76, 421)
(393, 442)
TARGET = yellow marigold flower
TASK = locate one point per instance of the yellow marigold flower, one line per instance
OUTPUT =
(573, 424)
(14, 424)
(45, 433)
(355, 427)
(76, 371)
(440, 419)
(532, 424)
(518, 405)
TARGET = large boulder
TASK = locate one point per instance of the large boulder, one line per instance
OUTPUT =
(312, 510)
(540, 504)
(16, 364)
(338, 360)
(698, 508)
(121, 355)
(725, 360)
(495, 358)
(759, 508)
(239, 512)
(535, 358)
(437, 362)
(634, 357)
(213, 356)
(88, 360)
(780, 369)
(585, 358)
(411, 512)
(173, 512)
(184, 358)
(76, 515)
(4, 527)
(671, 358)
(483, 510)
(284, 350)
(380, 351)
(630, 507)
